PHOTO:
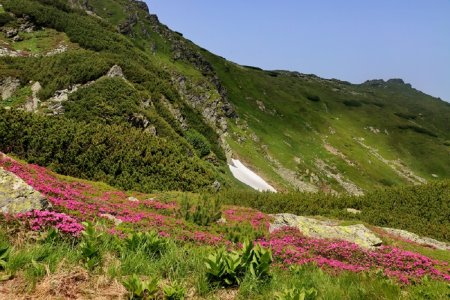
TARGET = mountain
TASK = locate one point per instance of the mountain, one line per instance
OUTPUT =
(119, 141)
(117, 96)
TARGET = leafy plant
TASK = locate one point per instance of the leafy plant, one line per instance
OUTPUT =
(149, 242)
(89, 247)
(229, 268)
(139, 289)
(298, 294)
(4, 256)
(174, 291)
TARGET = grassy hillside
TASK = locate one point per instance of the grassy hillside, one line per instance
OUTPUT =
(372, 135)
(300, 132)
(98, 240)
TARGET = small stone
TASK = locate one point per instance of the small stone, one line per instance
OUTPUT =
(353, 211)
(222, 220)
(133, 199)
(110, 217)
(17, 38)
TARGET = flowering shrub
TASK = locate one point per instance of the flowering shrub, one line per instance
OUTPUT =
(84, 201)
(42, 220)
(290, 247)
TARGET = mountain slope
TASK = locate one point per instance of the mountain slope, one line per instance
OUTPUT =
(113, 63)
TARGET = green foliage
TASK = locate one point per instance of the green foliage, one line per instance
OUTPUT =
(352, 103)
(174, 291)
(139, 289)
(89, 246)
(229, 268)
(108, 100)
(5, 18)
(198, 141)
(298, 294)
(4, 256)
(149, 243)
(206, 212)
(243, 232)
(102, 152)
(313, 98)
(421, 209)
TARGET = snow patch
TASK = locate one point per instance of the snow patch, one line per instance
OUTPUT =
(247, 176)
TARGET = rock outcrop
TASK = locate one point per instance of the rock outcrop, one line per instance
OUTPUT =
(16, 196)
(358, 234)
(418, 239)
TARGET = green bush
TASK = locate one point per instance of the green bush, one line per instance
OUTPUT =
(206, 212)
(198, 141)
(116, 154)
(422, 209)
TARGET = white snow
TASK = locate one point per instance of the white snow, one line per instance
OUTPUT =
(247, 176)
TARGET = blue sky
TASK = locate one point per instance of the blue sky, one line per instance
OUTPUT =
(351, 40)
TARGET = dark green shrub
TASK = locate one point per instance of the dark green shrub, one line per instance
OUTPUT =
(198, 141)
(313, 98)
(352, 103)
(5, 18)
(206, 212)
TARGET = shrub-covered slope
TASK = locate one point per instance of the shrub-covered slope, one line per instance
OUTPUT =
(113, 63)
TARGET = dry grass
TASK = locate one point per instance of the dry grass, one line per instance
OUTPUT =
(76, 283)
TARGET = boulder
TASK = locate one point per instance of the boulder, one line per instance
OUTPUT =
(8, 87)
(16, 196)
(418, 239)
(327, 229)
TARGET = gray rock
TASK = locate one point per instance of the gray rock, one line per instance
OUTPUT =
(11, 32)
(110, 217)
(8, 87)
(17, 38)
(418, 239)
(16, 196)
(32, 104)
(216, 186)
(115, 71)
(133, 199)
(327, 229)
(353, 211)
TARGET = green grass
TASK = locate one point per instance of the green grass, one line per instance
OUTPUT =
(184, 263)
